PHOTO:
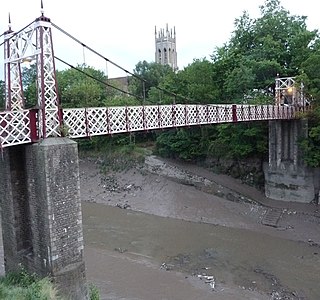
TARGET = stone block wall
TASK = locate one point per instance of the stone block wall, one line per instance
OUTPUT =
(41, 213)
(17, 236)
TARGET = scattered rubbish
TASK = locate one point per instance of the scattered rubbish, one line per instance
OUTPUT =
(312, 243)
(212, 284)
(123, 206)
(120, 250)
(166, 267)
(209, 279)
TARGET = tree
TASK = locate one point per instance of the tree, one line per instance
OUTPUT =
(237, 141)
(243, 70)
(29, 83)
(311, 76)
(151, 75)
(259, 49)
(196, 82)
(76, 89)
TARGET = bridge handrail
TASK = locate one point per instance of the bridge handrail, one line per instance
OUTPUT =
(21, 126)
(15, 127)
(86, 122)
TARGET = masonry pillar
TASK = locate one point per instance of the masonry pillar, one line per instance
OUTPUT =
(41, 213)
(287, 178)
(15, 213)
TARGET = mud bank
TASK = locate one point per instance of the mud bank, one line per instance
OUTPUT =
(166, 231)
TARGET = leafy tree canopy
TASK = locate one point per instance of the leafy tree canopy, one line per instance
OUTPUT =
(76, 89)
(259, 49)
(151, 74)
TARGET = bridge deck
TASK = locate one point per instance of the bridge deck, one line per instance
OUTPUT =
(21, 126)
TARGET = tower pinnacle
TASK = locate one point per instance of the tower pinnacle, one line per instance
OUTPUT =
(9, 22)
(165, 43)
(42, 10)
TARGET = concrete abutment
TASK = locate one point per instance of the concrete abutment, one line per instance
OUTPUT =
(287, 178)
(41, 213)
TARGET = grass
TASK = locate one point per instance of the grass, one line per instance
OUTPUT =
(122, 158)
(24, 286)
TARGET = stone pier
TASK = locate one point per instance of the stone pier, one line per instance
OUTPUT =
(287, 177)
(41, 213)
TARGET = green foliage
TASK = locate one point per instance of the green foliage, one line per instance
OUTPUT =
(275, 43)
(186, 144)
(23, 286)
(196, 82)
(121, 157)
(311, 75)
(240, 141)
(311, 145)
(76, 89)
(93, 292)
(243, 70)
(121, 101)
(29, 83)
(151, 73)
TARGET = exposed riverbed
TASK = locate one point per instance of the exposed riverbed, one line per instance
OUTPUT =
(161, 232)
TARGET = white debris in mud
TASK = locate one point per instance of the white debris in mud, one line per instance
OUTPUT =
(209, 279)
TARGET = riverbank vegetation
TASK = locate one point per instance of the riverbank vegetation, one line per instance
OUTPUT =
(24, 286)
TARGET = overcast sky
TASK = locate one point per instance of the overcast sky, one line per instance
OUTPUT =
(123, 30)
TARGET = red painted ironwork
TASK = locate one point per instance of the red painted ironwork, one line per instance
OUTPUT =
(19, 126)
(22, 126)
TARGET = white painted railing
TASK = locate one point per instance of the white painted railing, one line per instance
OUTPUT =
(21, 126)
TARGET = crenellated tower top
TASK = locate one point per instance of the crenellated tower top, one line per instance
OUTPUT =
(165, 43)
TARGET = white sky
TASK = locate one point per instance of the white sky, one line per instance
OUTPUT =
(123, 30)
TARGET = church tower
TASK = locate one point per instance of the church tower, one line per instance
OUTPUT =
(166, 53)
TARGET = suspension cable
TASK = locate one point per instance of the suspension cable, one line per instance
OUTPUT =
(94, 51)
(144, 81)
(116, 65)
(99, 80)
(15, 33)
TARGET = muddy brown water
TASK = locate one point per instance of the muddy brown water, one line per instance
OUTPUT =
(280, 268)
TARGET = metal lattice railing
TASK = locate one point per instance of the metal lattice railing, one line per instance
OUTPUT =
(22, 126)
(15, 128)
(85, 122)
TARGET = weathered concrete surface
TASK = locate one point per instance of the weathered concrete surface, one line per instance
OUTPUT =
(287, 184)
(287, 177)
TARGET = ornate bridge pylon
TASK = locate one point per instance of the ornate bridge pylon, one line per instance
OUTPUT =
(34, 43)
(39, 182)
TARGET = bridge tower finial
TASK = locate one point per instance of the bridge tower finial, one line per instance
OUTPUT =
(9, 22)
(42, 10)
